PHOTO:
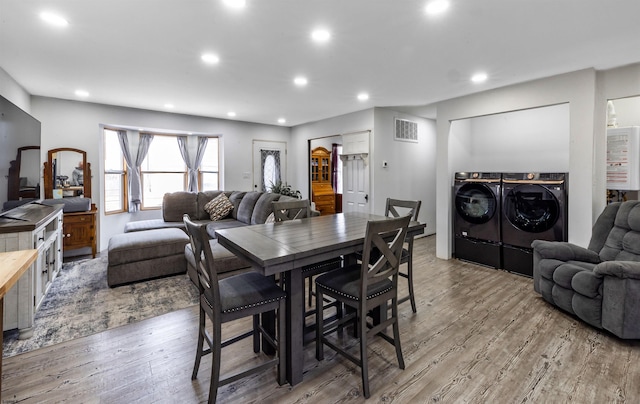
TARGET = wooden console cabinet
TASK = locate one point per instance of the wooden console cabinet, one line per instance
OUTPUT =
(31, 226)
(80, 230)
(321, 190)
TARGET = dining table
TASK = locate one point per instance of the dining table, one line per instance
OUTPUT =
(286, 247)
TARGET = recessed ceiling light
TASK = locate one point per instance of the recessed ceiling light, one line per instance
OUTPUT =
(321, 35)
(300, 81)
(363, 96)
(82, 93)
(436, 7)
(231, 114)
(54, 19)
(169, 106)
(282, 120)
(210, 58)
(479, 77)
(235, 3)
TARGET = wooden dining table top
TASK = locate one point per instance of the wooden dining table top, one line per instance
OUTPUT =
(287, 247)
(283, 246)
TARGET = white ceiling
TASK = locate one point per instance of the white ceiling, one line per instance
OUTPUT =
(146, 53)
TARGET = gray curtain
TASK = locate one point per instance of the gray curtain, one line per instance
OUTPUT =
(133, 166)
(192, 166)
(263, 157)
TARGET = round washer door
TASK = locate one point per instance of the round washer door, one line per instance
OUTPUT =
(475, 203)
(531, 208)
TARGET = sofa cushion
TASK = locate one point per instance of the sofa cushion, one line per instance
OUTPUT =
(145, 245)
(245, 209)
(151, 224)
(203, 198)
(176, 204)
(236, 198)
(223, 259)
(222, 224)
(219, 207)
(263, 207)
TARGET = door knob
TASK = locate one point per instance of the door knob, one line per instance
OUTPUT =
(366, 198)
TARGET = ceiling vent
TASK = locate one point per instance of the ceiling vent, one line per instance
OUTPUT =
(406, 131)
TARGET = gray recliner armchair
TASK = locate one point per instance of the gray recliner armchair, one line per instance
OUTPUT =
(599, 284)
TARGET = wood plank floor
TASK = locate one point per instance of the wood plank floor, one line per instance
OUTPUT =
(480, 336)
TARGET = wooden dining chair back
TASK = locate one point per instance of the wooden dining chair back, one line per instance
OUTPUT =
(291, 209)
(397, 208)
(364, 287)
(248, 294)
(299, 209)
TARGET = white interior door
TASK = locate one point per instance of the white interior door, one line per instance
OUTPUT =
(355, 172)
(258, 146)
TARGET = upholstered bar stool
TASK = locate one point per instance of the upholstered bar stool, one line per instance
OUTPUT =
(232, 298)
(299, 209)
(364, 287)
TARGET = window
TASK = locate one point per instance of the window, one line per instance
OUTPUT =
(162, 171)
(209, 173)
(115, 174)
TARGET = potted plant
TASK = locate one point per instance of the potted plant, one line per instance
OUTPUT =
(283, 189)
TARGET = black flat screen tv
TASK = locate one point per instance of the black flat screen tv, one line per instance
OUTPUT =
(19, 131)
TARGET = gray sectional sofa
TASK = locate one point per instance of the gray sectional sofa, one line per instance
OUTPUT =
(153, 236)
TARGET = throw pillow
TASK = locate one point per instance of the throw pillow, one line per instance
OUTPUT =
(218, 207)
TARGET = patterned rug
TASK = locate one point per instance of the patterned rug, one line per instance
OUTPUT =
(80, 303)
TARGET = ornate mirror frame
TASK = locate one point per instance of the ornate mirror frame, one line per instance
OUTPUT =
(50, 181)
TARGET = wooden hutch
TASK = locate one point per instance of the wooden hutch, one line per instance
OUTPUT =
(321, 190)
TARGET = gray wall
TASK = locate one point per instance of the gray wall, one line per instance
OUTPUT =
(79, 125)
(532, 140)
(578, 90)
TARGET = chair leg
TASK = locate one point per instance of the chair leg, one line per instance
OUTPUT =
(362, 326)
(256, 333)
(282, 342)
(201, 331)
(216, 351)
(319, 326)
(412, 296)
(310, 291)
(396, 333)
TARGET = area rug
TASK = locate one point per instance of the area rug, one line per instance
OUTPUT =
(80, 303)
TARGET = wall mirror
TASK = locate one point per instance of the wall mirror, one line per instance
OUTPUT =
(67, 173)
(24, 174)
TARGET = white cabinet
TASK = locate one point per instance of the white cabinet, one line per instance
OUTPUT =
(27, 227)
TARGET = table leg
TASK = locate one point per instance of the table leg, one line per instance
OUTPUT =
(295, 329)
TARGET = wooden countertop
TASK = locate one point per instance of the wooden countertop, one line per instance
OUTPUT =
(12, 265)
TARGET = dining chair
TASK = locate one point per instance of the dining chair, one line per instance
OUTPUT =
(300, 209)
(232, 298)
(397, 208)
(364, 287)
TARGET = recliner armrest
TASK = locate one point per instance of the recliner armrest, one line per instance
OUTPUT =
(564, 251)
(619, 269)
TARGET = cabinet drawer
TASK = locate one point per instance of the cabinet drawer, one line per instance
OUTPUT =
(323, 199)
(38, 238)
(77, 219)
